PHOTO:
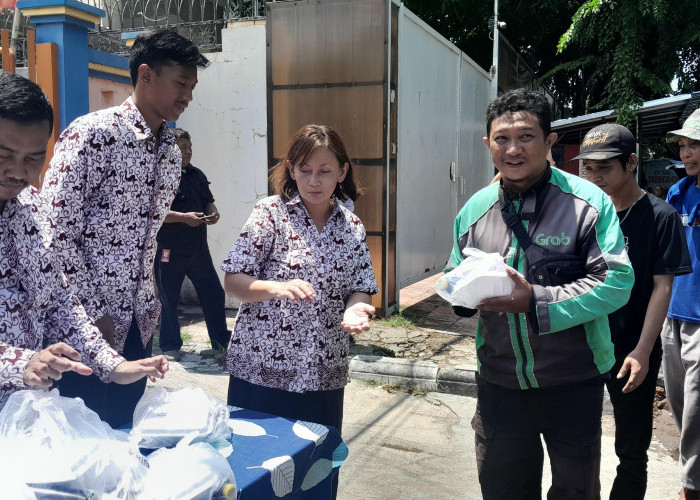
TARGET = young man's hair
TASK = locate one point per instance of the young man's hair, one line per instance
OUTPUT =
(181, 134)
(624, 160)
(158, 48)
(528, 101)
(23, 101)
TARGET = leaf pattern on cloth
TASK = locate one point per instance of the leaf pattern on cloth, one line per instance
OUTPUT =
(245, 428)
(340, 454)
(317, 473)
(281, 474)
(310, 431)
(224, 447)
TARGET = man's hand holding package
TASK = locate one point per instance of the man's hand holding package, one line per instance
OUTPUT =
(517, 302)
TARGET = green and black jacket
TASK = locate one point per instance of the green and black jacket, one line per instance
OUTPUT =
(570, 341)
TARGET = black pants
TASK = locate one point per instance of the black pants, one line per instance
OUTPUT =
(508, 425)
(200, 270)
(320, 407)
(634, 421)
(114, 403)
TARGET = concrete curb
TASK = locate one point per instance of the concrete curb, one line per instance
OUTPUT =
(414, 374)
(418, 374)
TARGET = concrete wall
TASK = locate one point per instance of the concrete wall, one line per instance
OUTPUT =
(228, 123)
(107, 93)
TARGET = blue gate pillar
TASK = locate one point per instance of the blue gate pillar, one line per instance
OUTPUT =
(66, 23)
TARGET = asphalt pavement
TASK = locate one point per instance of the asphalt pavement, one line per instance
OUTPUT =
(411, 444)
(417, 445)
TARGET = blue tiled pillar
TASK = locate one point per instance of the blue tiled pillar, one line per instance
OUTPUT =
(66, 23)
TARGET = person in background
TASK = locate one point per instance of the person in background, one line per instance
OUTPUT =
(302, 271)
(657, 248)
(44, 331)
(680, 336)
(110, 184)
(659, 191)
(544, 351)
(183, 251)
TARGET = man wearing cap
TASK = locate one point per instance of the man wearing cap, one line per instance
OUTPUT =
(681, 332)
(657, 249)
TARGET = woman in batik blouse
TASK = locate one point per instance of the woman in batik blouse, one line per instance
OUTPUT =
(303, 273)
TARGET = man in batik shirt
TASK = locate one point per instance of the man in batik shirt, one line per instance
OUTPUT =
(36, 305)
(111, 181)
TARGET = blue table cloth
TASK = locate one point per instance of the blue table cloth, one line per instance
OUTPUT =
(274, 457)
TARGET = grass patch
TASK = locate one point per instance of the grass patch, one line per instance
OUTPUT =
(402, 319)
(185, 335)
(219, 351)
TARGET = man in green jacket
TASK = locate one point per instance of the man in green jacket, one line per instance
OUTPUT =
(544, 351)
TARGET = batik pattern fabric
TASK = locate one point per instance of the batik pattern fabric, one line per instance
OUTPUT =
(298, 346)
(110, 185)
(36, 304)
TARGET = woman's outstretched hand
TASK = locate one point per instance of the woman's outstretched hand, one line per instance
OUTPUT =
(356, 317)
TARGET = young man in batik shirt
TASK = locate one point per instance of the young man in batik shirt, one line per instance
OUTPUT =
(111, 181)
(36, 305)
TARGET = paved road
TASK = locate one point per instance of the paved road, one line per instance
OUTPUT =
(415, 446)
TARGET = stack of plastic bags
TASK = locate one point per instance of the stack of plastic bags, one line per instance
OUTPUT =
(190, 420)
(56, 447)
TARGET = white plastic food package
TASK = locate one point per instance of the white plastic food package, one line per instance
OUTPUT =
(60, 448)
(188, 472)
(479, 276)
(162, 418)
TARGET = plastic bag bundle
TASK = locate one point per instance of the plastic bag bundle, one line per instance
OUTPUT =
(189, 471)
(479, 276)
(162, 418)
(60, 448)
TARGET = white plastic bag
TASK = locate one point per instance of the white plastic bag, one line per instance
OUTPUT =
(188, 471)
(163, 418)
(56, 444)
(479, 276)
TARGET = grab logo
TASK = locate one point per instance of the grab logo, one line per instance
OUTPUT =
(552, 241)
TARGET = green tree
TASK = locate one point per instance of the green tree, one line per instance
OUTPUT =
(631, 51)
(594, 55)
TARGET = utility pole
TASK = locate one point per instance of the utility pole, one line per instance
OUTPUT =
(14, 44)
(494, 66)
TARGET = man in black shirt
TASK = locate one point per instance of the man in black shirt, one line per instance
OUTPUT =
(657, 249)
(183, 251)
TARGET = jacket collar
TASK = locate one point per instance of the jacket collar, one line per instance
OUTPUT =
(530, 199)
(680, 187)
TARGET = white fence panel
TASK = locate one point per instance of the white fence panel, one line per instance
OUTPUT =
(475, 165)
(441, 159)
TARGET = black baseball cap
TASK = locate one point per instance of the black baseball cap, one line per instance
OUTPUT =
(607, 141)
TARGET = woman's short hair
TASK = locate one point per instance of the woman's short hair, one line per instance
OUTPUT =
(303, 144)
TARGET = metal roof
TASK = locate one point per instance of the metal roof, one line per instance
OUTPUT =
(654, 119)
